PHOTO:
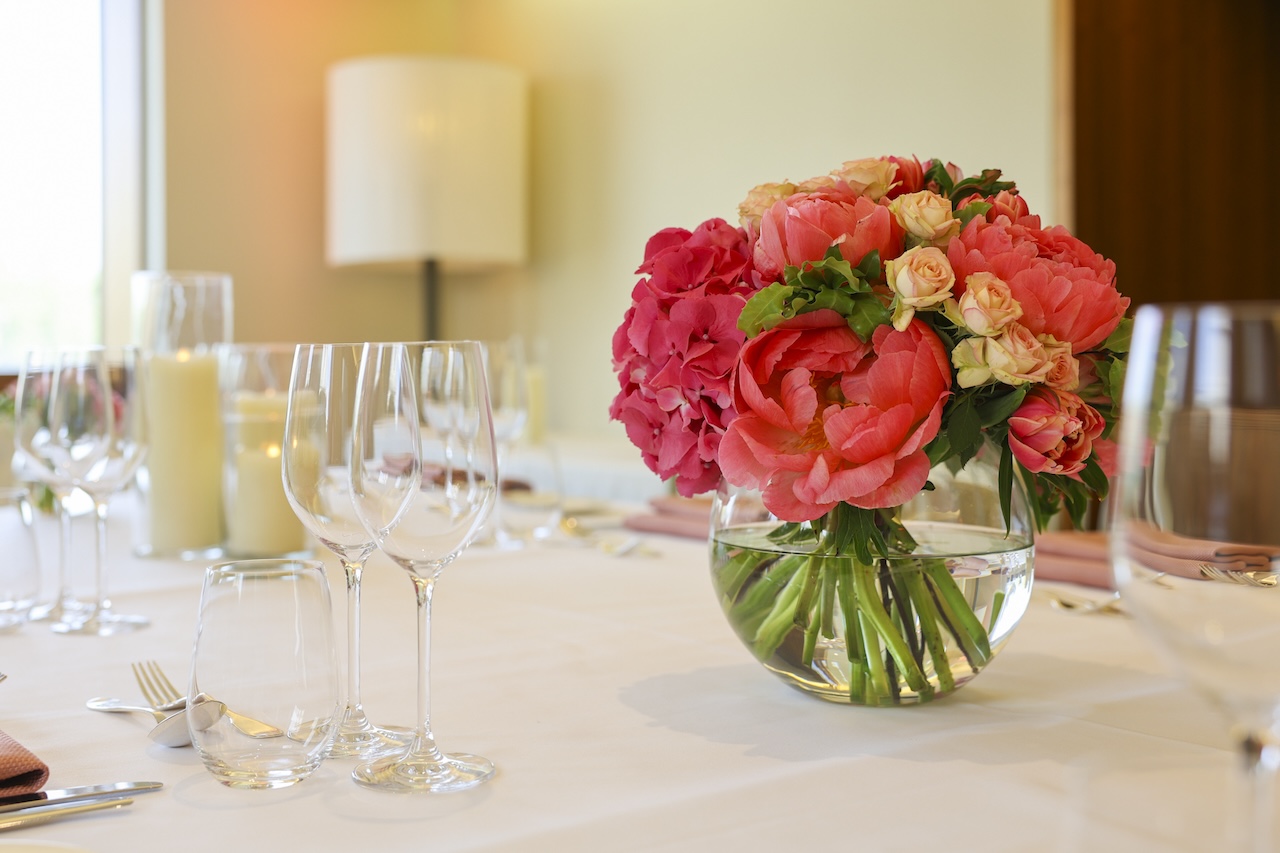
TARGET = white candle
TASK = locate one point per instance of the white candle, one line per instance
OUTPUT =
(184, 461)
(260, 522)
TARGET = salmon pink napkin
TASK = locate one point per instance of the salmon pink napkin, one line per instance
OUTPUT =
(20, 771)
(1085, 558)
(674, 516)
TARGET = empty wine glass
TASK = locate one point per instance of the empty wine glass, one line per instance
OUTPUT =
(317, 482)
(506, 373)
(112, 472)
(62, 428)
(1196, 516)
(424, 476)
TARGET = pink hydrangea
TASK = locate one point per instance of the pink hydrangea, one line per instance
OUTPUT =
(676, 347)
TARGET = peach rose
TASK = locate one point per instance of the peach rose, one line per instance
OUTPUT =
(1014, 357)
(987, 305)
(871, 177)
(969, 357)
(760, 199)
(1064, 368)
(926, 216)
(919, 278)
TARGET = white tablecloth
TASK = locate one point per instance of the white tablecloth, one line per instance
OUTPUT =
(623, 714)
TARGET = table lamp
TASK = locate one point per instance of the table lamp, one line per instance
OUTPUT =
(426, 166)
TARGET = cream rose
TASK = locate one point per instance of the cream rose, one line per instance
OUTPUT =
(970, 361)
(1064, 368)
(760, 199)
(920, 278)
(926, 216)
(1016, 357)
(871, 177)
(987, 305)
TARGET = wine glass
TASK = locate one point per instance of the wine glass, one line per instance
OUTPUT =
(62, 427)
(506, 373)
(424, 475)
(1196, 515)
(113, 471)
(317, 482)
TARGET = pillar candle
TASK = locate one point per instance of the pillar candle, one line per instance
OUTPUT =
(260, 521)
(183, 472)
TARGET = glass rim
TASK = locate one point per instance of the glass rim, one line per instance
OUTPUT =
(263, 567)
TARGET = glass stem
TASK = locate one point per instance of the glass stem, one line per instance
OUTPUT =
(100, 555)
(64, 556)
(353, 571)
(1261, 759)
(424, 742)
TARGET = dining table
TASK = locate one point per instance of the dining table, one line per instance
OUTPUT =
(622, 713)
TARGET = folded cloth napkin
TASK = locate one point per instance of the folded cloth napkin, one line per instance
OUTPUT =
(674, 516)
(20, 771)
(1085, 558)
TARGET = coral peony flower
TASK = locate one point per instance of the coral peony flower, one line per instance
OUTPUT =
(1065, 289)
(803, 226)
(1054, 432)
(823, 418)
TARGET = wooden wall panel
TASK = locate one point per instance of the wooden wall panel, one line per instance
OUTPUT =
(1175, 132)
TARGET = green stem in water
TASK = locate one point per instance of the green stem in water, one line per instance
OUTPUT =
(780, 620)
(919, 592)
(872, 610)
(957, 614)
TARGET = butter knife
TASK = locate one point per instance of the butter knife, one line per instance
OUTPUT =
(85, 793)
(39, 816)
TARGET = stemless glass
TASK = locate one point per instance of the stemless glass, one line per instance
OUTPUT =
(263, 650)
(317, 482)
(62, 428)
(1196, 515)
(424, 476)
(111, 474)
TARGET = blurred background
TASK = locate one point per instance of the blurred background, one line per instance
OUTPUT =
(191, 134)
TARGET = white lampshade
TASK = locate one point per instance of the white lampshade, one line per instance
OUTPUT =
(426, 162)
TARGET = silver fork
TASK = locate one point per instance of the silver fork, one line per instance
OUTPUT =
(159, 691)
(156, 687)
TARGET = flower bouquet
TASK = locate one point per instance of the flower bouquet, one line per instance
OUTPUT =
(858, 339)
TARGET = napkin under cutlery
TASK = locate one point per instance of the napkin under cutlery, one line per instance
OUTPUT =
(21, 772)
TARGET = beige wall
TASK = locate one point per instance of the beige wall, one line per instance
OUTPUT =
(645, 114)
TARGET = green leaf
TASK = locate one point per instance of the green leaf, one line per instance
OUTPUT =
(971, 211)
(939, 449)
(937, 174)
(765, 309)
(869, 267)
(1118, 340)
(998, 409)
(1004, 485)
(866, 313)
(964, 428)
(1095, 479)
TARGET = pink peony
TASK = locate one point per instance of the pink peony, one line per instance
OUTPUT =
(676, 347)
(803, 226)
(1054, 432)
(823, 418)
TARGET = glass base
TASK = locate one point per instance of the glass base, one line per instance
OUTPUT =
(65, 609)
(359, 738)
(417, 774)
(103, 624)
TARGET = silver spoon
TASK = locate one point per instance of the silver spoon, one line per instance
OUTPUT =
(174, 731)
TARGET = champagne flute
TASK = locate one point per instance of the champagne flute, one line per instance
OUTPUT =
(1196, 516)
(126, 450)
(317, 482)
(424, 474)
(62, 427)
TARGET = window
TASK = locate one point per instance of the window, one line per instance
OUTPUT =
(70, 171)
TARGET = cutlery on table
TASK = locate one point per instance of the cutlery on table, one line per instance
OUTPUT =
(35, 817)
(60, 796)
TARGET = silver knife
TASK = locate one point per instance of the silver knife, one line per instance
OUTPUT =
(38, 816)
(74, 795)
